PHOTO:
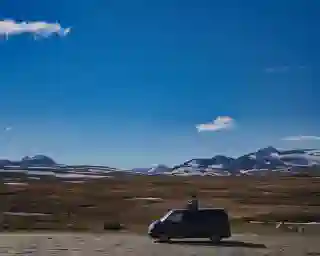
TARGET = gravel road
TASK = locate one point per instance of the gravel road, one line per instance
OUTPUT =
(60, 244)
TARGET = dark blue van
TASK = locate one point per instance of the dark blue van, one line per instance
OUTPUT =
(209, 223)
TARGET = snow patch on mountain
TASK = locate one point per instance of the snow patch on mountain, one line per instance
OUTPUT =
(265, 161)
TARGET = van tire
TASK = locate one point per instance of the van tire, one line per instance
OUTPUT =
(215, 239)
(164, 239)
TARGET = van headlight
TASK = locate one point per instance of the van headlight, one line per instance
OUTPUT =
(151, 227)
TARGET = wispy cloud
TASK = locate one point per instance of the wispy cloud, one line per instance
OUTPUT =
(36, 28)
(279, 69)
(301, 137)
(283, 69)
(220, 123)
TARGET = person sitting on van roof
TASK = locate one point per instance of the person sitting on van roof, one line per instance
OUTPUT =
(193, 204)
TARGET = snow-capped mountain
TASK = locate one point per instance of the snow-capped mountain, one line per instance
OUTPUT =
(265, 158)
(28, 161)
(300, 158)
(220, 162)
(264, 161)
(159, 169)
(140, 170)
(154, 170)
(37, 160)
(42, 162)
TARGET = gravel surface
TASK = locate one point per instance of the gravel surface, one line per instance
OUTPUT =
(127, 244)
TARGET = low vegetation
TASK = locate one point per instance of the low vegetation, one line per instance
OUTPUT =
(133, 202)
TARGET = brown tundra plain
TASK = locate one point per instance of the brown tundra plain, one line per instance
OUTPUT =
(132, 202)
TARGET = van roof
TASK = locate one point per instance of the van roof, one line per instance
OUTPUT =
(201, 209)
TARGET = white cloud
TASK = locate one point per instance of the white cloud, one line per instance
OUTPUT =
(36, 28)
(302, 137)
(220, 123)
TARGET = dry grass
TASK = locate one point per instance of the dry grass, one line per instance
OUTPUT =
(110, 201)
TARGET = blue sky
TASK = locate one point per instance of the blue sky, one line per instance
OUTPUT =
(130, 82)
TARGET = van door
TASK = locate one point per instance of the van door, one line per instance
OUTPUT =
(191, 227)
(218, 223)
(198, 224)
(205, 224)
(173, 224)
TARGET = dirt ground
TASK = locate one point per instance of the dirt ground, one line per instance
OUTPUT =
(129, 244)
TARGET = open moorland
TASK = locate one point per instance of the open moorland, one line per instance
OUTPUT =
(134, 201)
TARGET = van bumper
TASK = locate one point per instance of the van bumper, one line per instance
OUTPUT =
(152, 235)
(152, 229)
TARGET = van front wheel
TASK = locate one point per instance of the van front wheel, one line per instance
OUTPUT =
(164, 239)
(215, 239)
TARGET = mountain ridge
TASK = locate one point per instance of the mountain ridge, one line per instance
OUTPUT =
(267, 159)
(264, 160)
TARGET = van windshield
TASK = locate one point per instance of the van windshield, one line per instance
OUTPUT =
(172, 216)
(165, 216)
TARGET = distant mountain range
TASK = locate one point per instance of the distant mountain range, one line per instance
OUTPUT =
(37, 160)
(44, 162)
(44, 167)
(263, 161)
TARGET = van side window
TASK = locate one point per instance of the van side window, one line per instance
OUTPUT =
(175, 217)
